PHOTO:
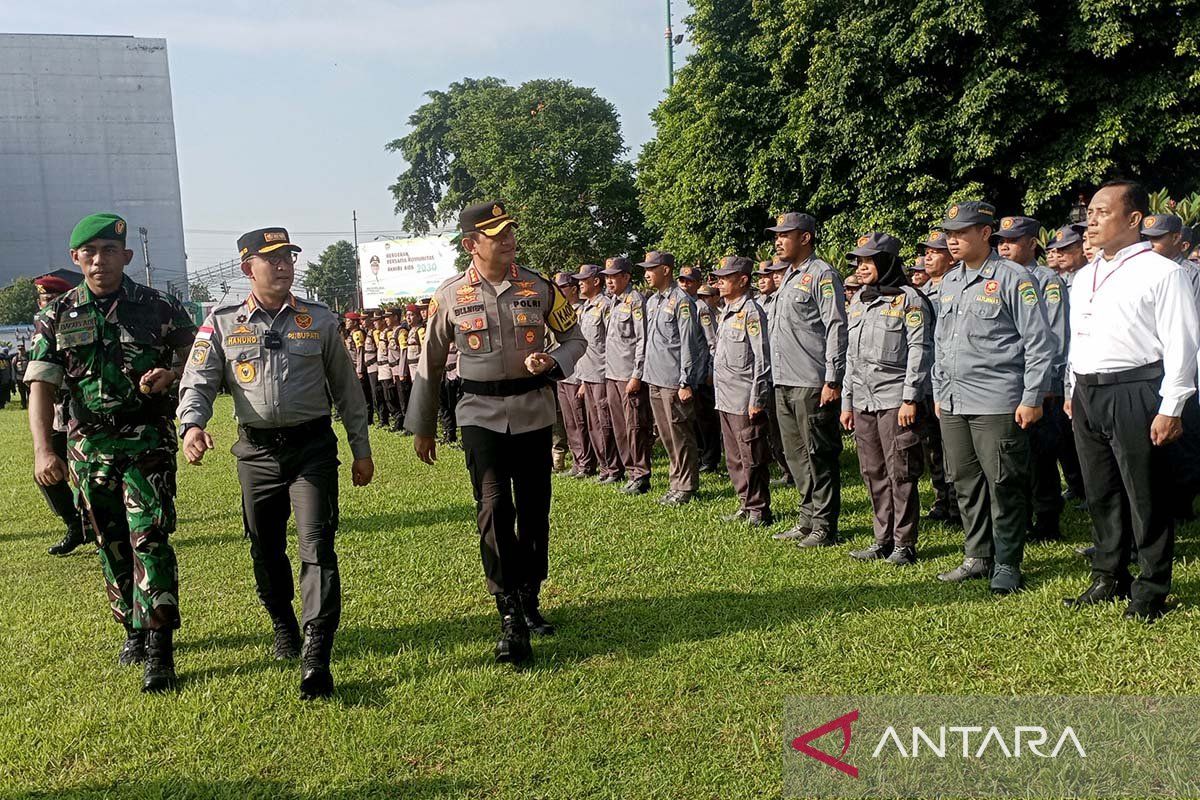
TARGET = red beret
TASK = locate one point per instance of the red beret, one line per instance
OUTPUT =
(353, 315)
(411, 307)
(53, 284)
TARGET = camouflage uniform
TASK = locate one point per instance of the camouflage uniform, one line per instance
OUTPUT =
(121, 454)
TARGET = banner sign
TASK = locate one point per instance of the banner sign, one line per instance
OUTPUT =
(399, 268)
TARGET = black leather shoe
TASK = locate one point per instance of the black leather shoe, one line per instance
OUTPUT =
(531, 607)
(1102, 590)
(873, 552)
(756, 519)
(133, 649)
(636, 486)
(1147, 611)
(1045, 529)
(160, 662)
(939, 513)
(315, 678)
(287, 636)
(72, 540)
(513, 646)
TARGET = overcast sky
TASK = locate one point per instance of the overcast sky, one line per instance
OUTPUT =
(282, 109)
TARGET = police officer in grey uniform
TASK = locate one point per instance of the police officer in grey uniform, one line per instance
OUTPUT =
(1066, 246)
(888, 359)
(808, 355)
(624, 365)
(589, 370)
(676, 363)
(742, 377)
(497, 313)
(571, 406)
(276, 355)
(769, 277)
(706, 423)
(994, 356)
(1017, 240)
(937, 262)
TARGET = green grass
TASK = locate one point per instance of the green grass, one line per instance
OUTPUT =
(679, 639)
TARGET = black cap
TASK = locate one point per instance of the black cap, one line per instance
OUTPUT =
(656, 258)
(794, 221)
(735, 265)
(961, 216)
(707, 290)
(264, 240)
(487, 218)
(1065, 236)
(778, 265)
(936, 240)
(1161, 224)
(563, 279)
(874, 243)
(616, 266)
(1017, 227)
(586, 271)
(690, 273)
(1186, 233)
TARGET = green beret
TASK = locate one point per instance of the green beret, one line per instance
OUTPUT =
(97, 226)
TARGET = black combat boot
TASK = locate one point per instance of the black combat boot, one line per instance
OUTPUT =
(315, 678)
(160, 662)
(287, 635)
(133, 651)
(530, 604)
(513, 646)
(73, 539)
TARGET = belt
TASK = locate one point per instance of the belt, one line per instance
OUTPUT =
(507, 388)
(273, 437)
(1149, 372)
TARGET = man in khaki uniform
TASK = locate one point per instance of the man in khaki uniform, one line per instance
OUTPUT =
(497, 313)
(624, 362)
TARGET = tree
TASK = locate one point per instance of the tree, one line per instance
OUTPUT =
(551, 150)
(200, 293)
(878, 115)
(333, 279)
(18, 302)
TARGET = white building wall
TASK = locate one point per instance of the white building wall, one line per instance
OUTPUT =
(85, 126)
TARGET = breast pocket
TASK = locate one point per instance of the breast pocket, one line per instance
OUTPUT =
(737, 354)
(625, 325)
(894, 350)
(472, 335)
(529, 328)
(245, 365)
(304, 348)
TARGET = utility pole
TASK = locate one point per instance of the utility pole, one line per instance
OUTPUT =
(142, 232)
(670, 49)
(357, 263)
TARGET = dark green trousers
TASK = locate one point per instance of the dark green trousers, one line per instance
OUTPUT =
(812, 444)
(987, 457)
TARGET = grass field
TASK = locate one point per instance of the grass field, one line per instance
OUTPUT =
(679, 639)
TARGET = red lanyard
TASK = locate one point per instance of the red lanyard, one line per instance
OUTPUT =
(1095, 287)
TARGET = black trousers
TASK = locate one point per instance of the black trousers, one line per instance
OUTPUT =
(366, 381)
(1128, 481)
(23, 390)
(381, 409)
(297, 473)
(384, 389)
(5, 393)
(450, 392)
(59, 496)
(812, 440)
(1046, 495)
(708, 427)
(510, 476)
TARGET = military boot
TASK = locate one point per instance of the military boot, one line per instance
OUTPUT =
(71, 540)
(315, 678)
(287, 635)
(513, 646)
(530, 603)
(133, 650)
(160, 662)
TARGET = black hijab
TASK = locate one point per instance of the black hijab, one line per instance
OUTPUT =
(892, 279)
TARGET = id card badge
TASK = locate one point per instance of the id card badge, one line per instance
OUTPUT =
(1083, 326)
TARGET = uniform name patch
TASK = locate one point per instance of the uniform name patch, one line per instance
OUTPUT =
(304, 335)
(236, 340)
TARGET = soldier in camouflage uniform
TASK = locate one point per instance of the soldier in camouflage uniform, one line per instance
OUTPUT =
(112, 343)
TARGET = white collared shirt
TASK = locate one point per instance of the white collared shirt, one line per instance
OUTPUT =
(1132, 311)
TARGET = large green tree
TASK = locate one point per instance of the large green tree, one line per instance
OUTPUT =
(878, 115)
(553, 151)
(333, 278)
(18, 302)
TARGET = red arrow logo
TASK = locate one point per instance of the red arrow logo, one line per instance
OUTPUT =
(801, 743)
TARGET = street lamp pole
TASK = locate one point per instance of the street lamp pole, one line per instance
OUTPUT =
(670, 49)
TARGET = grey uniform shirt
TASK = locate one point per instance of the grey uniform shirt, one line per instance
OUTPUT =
(1054, 299)
(625, 345)
(1192, 272)
(742, 360)
(593, 324)
(495, 329)
(808, 326)
(889, 353)
(273, 388)
(676, 353)
(552, 344)
(708, 325)
(993, 349)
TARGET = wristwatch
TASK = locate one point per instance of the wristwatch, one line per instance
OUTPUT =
(835, 385)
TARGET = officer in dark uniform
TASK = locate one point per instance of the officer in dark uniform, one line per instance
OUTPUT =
(937, 262)
(498, 313)
(19, 362)
(707, 423)
(276, 354)
(992, 369)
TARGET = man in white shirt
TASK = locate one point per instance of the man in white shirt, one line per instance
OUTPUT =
(1132, 364)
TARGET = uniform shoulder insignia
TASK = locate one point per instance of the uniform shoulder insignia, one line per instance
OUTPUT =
(315, 303)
